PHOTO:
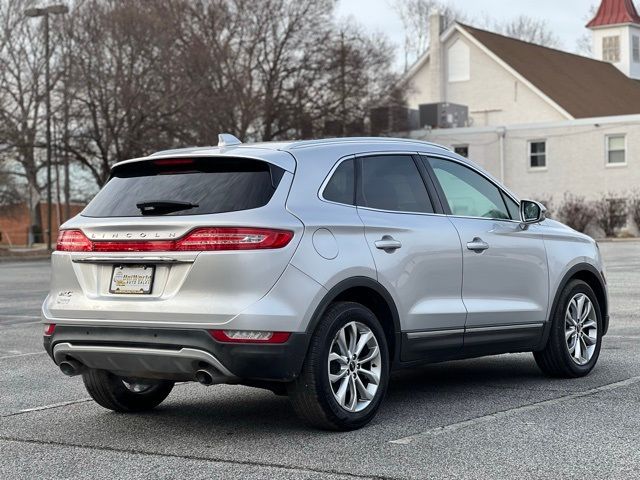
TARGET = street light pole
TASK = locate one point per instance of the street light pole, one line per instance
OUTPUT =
(47, 83)
(44, 12)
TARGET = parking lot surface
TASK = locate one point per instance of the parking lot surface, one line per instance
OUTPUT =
(496, 417)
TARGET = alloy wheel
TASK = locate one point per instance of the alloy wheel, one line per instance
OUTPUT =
(137, 386)
(581, 329)
(355, 366)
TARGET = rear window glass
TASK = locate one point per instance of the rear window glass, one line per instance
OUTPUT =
(185, 187)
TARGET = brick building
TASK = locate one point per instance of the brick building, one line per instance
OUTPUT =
(15, 220)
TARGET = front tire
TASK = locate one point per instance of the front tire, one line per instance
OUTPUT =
(125, 395)
(345, 374)
(575, 339)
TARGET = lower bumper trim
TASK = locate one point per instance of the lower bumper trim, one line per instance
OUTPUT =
(140, 361)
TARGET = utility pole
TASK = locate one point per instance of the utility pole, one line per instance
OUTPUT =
(45, 12)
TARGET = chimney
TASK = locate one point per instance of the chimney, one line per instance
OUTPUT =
(435, 57)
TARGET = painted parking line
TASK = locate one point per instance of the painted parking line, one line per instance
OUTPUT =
(513, 411)
(16, 355)
(46, 407)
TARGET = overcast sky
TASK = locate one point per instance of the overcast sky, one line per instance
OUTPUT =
(565, 17)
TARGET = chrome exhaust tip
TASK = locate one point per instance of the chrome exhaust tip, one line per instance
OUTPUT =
(207, 376)
(71, 367)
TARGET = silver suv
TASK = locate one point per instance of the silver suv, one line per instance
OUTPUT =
(313, 269)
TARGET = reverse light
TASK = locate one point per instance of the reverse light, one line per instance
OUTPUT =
(49, 328)
(249, 336)
(198, 240)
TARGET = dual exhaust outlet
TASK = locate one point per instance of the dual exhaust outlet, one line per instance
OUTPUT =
(205, 375)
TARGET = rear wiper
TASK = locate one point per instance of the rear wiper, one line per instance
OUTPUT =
(164, 206)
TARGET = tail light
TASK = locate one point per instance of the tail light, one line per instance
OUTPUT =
(198, 240)
(49, 328)
(249, 336)
(73, 241)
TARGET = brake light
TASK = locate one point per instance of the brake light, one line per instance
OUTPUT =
(49, 328)
(204, 239)
(198, 240)
(249, 336)
(73, 241)
(173, 162)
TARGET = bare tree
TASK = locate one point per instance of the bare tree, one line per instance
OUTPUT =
(584, 43)
(134, 76)
(124, 86)
(414, 15)
(21, 103)
(530, 30)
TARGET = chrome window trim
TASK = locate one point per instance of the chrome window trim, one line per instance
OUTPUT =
(368, 154)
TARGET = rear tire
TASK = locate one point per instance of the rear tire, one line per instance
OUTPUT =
(334, 392)
(117, 394)
(575, 338)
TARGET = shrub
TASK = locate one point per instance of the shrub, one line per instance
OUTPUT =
(576, 212)
(634, 207)
(610, 214)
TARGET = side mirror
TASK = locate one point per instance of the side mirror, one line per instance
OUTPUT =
(531, 212)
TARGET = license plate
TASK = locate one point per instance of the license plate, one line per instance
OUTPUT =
(132, 279)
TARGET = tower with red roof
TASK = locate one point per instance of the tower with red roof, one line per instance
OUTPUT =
(616, 35)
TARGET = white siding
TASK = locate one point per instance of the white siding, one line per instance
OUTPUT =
(494, 95)
(576, 157)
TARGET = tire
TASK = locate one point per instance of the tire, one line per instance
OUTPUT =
(312, 393)
(111, 391)
(557, 359)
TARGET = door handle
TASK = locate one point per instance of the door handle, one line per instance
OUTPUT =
(477, 245)
(388, 244)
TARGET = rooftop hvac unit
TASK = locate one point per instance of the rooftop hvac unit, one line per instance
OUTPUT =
(393, 119)
(443, 115)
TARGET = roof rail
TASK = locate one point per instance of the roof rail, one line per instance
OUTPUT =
(328, 141)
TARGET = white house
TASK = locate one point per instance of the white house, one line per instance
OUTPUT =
(543, 120)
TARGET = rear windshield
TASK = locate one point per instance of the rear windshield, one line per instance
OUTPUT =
(185, 187)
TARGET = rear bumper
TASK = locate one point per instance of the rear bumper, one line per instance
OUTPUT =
(175, 353)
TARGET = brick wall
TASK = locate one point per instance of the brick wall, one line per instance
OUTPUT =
(14, 223)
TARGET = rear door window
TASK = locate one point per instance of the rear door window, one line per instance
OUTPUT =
(392, 182)
(185, 187)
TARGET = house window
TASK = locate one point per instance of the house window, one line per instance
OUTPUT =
(462, 150)
(636, 49)
(616, 150)
(611, 49)
(538, 154)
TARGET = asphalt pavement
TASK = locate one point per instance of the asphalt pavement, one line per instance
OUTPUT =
(495, 417)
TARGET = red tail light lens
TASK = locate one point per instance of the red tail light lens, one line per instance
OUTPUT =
(198, 240)
(73, 241)
(249, 336)
(204, 239)
(49, 328)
